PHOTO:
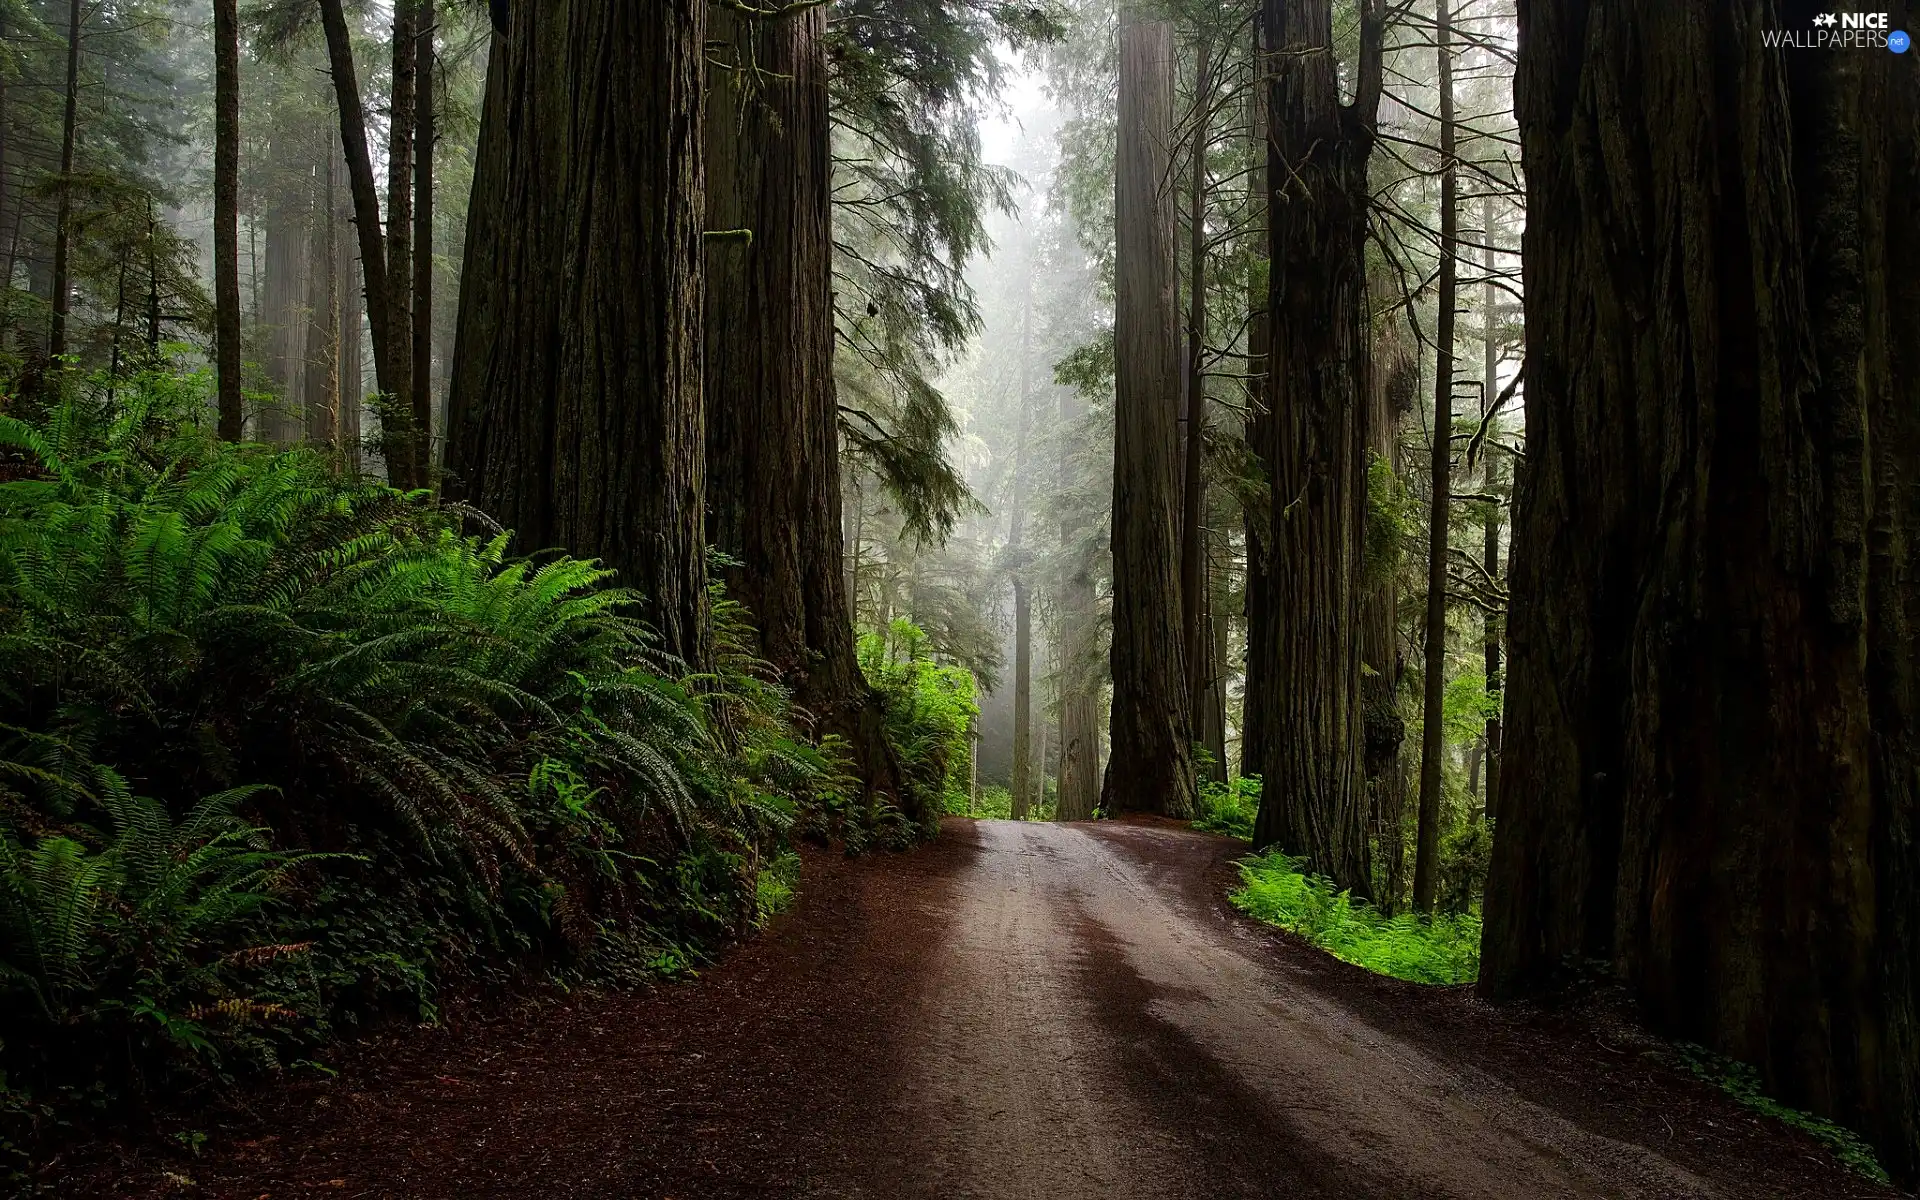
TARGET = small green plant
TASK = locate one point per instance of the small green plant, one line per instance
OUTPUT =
(1441, 949)
(1229, 808)
(1742, 1082)
(930, 709)
(775, 886)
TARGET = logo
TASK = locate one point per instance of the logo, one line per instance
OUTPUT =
(1840, 31)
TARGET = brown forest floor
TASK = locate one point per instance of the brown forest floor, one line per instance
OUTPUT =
(1013, 1011)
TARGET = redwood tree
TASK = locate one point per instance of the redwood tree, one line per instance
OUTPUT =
(773, 439)
(1710, 774)
(226, 218)
(575, 410)
(1304, 635)
(1150, 768)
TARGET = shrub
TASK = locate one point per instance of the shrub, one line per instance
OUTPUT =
(1229, 808)
(429, 762)
(1440, 949)
(930, 709)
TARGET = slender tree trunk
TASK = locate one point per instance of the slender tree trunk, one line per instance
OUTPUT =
(1304, 640)
(773, 434)
(1213, 713)
(575, 414)
(399, 436)
(1078, 791)
(153, 285)
(1711, 771)
(1023, 773)
(1395, 394)
(1433, 742)
(1490, 374)
(321, 385)
(1151, 769)
(62, 232)
(350, 322)
(1258, 425)
(286, 290)
(389, 360)
(1193, 534)
(423, 163)
(226, 219)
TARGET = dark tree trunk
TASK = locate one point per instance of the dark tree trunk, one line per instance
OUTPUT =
(422, 335)
(1151, 763)
(1304, 641)
(1257, 428)
(1433, 739)
(62, 290)
(1492, 629)
(575, 413)
(389, 361)
(1211, 705)
(284, 292)
(226, 219)
(399, 436)
(773, 433)
(1193, 483)
(1711, 773)
(351, 322)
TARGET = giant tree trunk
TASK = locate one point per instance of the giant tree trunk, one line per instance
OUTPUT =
(575, 412)
(62, 291)
(1711, 772)
(1151, 763)
(1433, 739)
(773, 434)
(226, 219)
(1303, 654)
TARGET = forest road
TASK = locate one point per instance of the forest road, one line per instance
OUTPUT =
(1039, 1011)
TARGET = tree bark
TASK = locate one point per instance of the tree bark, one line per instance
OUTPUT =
(773, 434)
(1397, 387)
(1257, 429)
(1193, 484)
(399, 435)
(1023, 772)
(1151, 768)
(321, 383)
(423, 163)
(388, 360)
(226, 220)
(575, 413)
(350, 322)
(1078, 790)
(1711, 773)
(1433, 740)
(62, 290)
(1304, 635)
(282, 317)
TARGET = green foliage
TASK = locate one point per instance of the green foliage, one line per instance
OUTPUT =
(1440, 949)
(1393, 523)
(1230, 807)
(1742, 1082)
(475, 768)
(996, 803)
(930, 709)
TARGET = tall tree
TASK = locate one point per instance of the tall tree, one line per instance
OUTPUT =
(773, 436)
(1078, 789)
(1303, 658)
(226, 218)
(1711, 771)
(1394, 395)
(400, 439)
(62, 291)
(389, 361)
(1433, 740)
(575, 414)
(1150, 768)
(421, 338)
(1193, 484)
(1023, 765)
(1490, 560)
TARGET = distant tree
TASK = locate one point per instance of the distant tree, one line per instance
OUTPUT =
(1711, 776)
(226, 217)
(1151, 763)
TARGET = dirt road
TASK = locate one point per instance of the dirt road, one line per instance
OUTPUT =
(1021, 1010)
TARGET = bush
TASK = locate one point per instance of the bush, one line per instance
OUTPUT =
(1230, 807)
(930, 710)
(1441, 949)
(427, 762)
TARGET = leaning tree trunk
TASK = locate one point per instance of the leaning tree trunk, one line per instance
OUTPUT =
(575, 411)
(1303, 656)
(226, 220)
(1433, 734)
(1712, 758)
(773, 434)
(1151, 763)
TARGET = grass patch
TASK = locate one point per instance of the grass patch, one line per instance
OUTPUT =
(1742, 1082)
(1439, 949)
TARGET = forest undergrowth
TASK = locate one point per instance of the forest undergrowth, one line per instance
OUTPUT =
(286, 754)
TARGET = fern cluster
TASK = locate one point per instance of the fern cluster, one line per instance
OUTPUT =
(425, 758)
(930, 710)
(1438, 949)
